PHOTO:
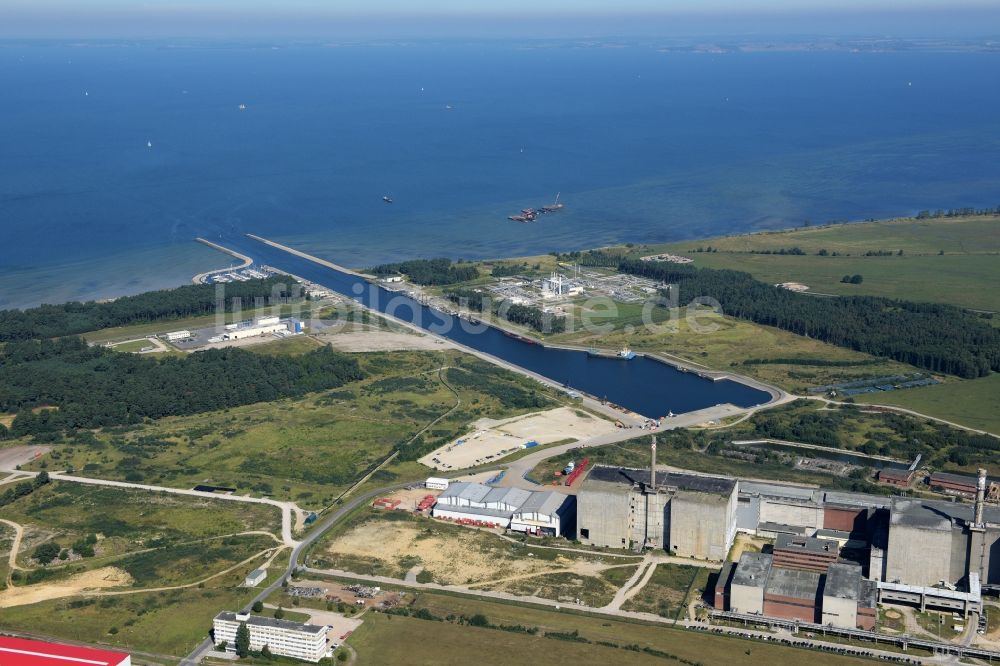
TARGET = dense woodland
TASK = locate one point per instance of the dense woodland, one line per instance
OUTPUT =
(518, 314)
(430, 271)
(48, 321)
(939, 338)
(91, 387)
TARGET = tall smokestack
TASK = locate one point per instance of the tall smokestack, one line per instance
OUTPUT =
(980, 497)
(652, 466)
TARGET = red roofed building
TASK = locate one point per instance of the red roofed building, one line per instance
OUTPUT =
(24, 652)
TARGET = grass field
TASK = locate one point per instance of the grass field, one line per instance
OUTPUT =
(168, 623)
(974, 403)
(307, 449)
(951, 279)
(396, 640)
(159, 539)
(667, 592)
(724, 343)
(133, 346)
(970, 259)
(957, 235)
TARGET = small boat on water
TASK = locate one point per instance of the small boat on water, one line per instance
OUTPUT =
(387, 199)
(626, 353)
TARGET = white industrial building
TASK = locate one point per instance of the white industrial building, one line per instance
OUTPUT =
(255, 578)
(254, 331)
(282, 637)
(178, 335)
(548, 512)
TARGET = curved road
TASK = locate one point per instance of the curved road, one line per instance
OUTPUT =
(293, 562)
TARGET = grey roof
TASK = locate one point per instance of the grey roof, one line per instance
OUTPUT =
(833, 534)
(752, 570)
(779, 490)
(856, 499)
(930, 515)
(893, 473)
(725, 574)
(954, 478)
(258, 572)
(473, 492)
(512, 496)
(548, 502)
(793, 583)
(843, 581)
(919, 514)
(781, 528)
(690, 482)
(868, 594)
(261, 621)
(807, 544)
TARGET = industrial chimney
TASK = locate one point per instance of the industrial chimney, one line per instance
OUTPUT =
(652, 465)
(980, 497)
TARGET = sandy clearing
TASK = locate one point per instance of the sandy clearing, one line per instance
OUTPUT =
(88, 581)
(451, 560)
(14, 456)
(492, 440)
(374, 341)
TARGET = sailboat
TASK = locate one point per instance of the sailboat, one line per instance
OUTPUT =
(554, 206)
(149, 144)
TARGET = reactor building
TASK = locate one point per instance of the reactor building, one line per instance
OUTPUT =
(685, 514)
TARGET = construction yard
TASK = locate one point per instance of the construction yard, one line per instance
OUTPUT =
(492, 440)
(399, 544)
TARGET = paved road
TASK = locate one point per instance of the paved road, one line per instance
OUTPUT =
(607, 612)
(293, 562)
(517, 469)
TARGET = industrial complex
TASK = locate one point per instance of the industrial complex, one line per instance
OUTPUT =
(835, 555)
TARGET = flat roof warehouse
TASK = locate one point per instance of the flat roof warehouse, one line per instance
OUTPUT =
(25, 652)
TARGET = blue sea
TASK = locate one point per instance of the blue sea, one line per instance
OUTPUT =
(114, 156)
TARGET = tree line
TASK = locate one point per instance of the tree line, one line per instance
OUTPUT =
(939, 338)
(92, 387)
(518, 314)
(430, 271)
(958, 212)
(47, 321)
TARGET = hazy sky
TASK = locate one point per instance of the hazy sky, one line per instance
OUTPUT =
(233, 18)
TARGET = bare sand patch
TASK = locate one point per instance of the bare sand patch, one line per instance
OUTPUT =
(88, 581)
(374, 341)
(451, 559)
(492, 439)
(13, 456)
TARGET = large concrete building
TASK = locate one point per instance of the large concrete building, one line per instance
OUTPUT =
(685, 514)
(837, 596)
(282, 637)
(849, 600)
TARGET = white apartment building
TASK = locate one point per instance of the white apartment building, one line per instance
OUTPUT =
(282, 637)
